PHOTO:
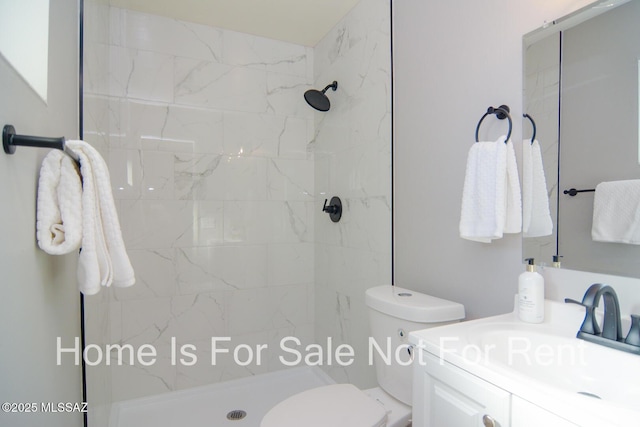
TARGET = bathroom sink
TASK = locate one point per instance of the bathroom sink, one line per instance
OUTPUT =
(573, 365)
(544, 364)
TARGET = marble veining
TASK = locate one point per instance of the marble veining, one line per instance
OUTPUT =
(352, 151)
(220, 170)
(206, 135)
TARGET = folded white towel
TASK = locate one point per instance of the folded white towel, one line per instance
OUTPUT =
(59, 211)
(616, 212)
(491, 201)
(72, 213)
(103, 260)
(536, 216)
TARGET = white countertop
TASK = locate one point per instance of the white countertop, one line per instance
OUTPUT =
(468, 345)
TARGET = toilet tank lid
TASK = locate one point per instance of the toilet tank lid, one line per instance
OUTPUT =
(411, 305)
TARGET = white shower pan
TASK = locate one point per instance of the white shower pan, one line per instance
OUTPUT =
(221, 405)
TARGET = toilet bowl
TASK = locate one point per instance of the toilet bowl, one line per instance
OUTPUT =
(393, 313)
(332, 405)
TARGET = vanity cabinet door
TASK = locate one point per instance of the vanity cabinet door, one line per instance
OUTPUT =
(446, 396)
(526, 414)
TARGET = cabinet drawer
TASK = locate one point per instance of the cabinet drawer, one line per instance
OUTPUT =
(526, 414)
(446, 396)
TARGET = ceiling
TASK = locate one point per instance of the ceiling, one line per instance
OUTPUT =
(302, 22)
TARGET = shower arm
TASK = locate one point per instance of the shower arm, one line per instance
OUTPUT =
(333, 86)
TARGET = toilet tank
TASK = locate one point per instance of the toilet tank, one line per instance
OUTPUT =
(393, 313)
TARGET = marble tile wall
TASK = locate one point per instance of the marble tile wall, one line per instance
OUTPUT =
(207, 138)
(352, 147)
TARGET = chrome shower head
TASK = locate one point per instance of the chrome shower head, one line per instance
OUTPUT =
(317, 99)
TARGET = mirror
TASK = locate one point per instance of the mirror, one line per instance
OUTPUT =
(24, 40)
(581, 87)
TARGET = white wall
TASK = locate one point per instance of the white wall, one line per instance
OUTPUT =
(40, 298)
(453, 59)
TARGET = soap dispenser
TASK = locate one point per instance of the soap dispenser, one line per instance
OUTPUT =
(531, 294)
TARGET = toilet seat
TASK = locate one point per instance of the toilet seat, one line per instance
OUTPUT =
(336, 405)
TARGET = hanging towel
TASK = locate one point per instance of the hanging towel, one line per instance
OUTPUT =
(59, 207)
(536, 217)
(72, 213)
(616, 212)
(491, 200)
(513, 220)
(103, 260)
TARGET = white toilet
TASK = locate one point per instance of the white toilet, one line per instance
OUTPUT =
(393, 313)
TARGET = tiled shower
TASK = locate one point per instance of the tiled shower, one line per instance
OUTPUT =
(220, 170)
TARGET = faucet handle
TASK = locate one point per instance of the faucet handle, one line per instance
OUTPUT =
(633, 337)
(572, 301)
(589, 325)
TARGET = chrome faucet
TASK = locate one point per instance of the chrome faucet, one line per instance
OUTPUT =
(611, 334)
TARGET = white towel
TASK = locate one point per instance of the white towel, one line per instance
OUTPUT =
(616, 212)
(59, 209)
(71, 214)
(536, 216)
(491, 201)
(103, 260)
(513, 220)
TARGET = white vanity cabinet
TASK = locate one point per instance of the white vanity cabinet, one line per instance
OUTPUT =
(526, 414)
(446, 396)
(500, 371)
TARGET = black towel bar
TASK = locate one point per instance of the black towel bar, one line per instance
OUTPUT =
(572, 191)
(10, 140)
(502, 112)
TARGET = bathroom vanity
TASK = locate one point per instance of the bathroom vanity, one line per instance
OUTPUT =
(452, 396)
(499, 371)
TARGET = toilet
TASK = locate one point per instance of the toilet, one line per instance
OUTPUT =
(393, 313)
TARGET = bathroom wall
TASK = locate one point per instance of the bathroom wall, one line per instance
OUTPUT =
(40, 300)
(352, 148)
(469, 57)
(207, 136)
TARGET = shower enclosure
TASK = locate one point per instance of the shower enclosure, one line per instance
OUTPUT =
(220, 170)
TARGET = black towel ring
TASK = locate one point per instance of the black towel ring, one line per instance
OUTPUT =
(502, 112)
(533, 137)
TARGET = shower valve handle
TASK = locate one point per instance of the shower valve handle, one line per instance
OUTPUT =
(329, 209)
(334, 209)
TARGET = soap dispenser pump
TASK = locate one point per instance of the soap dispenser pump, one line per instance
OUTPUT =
(531, 294)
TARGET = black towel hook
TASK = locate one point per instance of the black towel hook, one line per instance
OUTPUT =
(502, 112)
(11, 140)
(533, 137)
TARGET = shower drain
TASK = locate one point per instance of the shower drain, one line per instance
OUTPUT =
(236, 414)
